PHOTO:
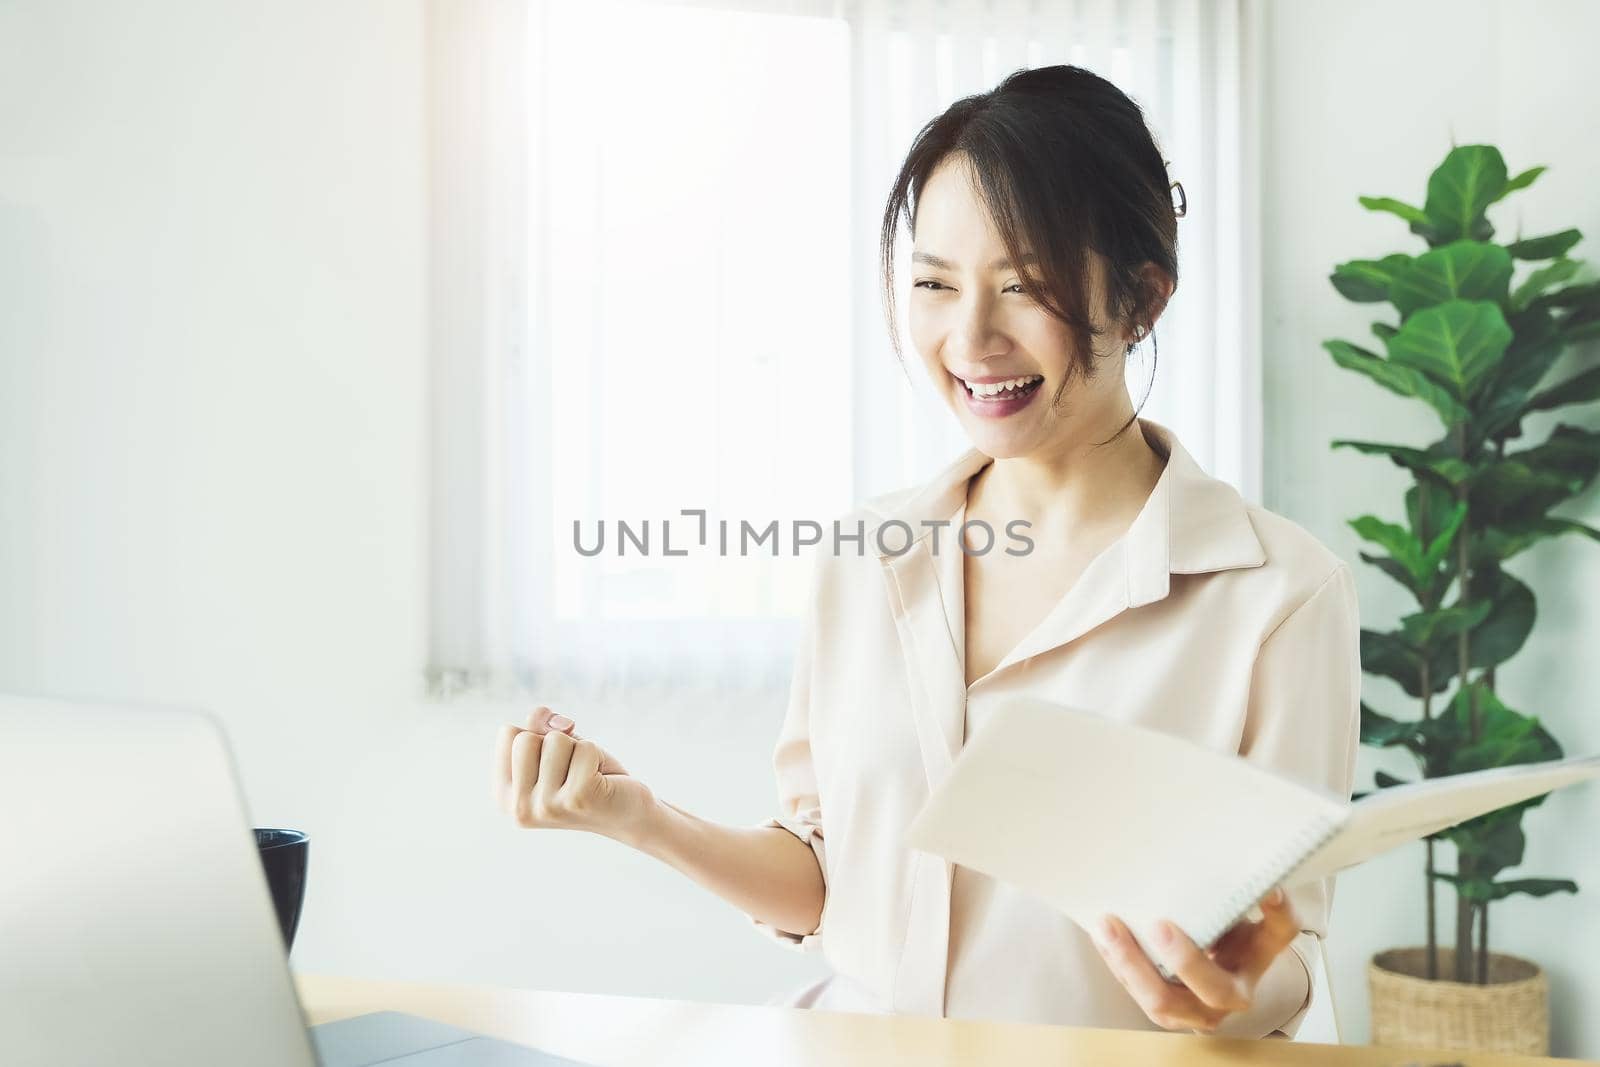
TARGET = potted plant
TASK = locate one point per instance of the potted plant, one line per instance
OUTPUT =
(1475, 349)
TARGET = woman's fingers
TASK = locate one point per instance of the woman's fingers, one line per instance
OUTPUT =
(555, 755)
(1266, 939)
(542, 765)
(548, 777)
(1216, 987)
(1168, 1004)
(1234, 947)
(542, 720)
(586, 758)
(525, 749)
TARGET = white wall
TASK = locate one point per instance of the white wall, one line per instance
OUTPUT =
(212, 477)
(1363, 98)
(212, 489)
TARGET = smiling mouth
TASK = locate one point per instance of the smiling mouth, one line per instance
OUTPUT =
(999, 392)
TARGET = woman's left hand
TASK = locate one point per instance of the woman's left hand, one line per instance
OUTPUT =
(1212, 984)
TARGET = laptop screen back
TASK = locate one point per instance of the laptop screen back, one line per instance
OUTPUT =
(135, 924)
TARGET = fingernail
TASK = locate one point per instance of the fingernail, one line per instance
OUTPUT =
(559, 722)
(1105, 933)
(1277, 895)
(1165, 934)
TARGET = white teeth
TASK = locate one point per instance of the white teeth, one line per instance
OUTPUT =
(996, 388)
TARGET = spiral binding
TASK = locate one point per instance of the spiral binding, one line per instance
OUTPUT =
(1279, 866)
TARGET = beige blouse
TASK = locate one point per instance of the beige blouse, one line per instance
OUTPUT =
(1211, 618)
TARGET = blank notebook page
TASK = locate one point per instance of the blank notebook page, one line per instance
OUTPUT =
(1097, 816)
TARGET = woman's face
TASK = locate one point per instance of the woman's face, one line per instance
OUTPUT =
(995, 355)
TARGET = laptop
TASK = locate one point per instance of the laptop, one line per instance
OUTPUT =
(136, 927)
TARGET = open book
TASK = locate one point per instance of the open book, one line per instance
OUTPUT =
(1101, 817)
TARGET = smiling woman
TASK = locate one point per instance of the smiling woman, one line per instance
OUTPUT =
(1151, 593)
(1088, 238)
(1044, 238)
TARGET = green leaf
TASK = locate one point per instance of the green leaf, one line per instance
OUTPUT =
(1383, 331)
(1503, 744)
(1394, 570)
(1476, 890)
(1459, 190)
(1534, 887)
(1493, 841)
(1579, 389)
(1554, 527)
(1500, 543)
(1499, 637)
(1366, 281)
(1525, 485)
(1380, 730)
(1461, 270)
(1403, 380)
(1537, 282)
(1411, 214)
(1428, 509)
(1549, 246)
(1570, 451)
(1411, 565)
(1585, 295)
(1504, 749)
(1458, 343)
(1535, 346)
(1396, 540)
(1439, 547)
(1426, 627)
(1505, 630)
(1584, 331)
(1526, 360)
(1392, 656)
(1521, 181)
(1509, 490)
(1447, 469)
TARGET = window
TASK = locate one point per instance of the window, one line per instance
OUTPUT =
(655, 292)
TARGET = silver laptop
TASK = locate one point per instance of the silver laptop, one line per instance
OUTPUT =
(136, 927)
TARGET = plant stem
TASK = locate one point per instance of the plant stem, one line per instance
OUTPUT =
(1466, 912)
(1464, 865)
(1483, 943)
(1433, 917)
(1483, 908)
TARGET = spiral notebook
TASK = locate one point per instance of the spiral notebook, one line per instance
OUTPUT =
(1098, 816)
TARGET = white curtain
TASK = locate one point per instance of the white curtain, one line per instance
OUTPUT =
(654, 305)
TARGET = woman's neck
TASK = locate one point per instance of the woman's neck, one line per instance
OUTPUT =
(1074, 486)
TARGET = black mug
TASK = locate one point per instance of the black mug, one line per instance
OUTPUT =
(283, 857)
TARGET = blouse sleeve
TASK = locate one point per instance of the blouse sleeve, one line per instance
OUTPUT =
(799, 806)
(1303, 721)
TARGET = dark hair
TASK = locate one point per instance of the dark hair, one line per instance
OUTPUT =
(1065, 165)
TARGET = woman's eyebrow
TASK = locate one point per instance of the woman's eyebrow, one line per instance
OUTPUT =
(943, 264)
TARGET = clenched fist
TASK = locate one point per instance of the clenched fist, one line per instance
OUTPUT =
(547, 777)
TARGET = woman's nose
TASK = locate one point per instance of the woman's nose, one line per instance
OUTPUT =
(973, 333)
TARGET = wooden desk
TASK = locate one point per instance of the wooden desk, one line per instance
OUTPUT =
(611, 1031)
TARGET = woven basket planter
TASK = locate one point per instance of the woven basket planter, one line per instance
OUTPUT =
(1509, 1014)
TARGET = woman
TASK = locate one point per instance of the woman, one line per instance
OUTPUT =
(1044, 248)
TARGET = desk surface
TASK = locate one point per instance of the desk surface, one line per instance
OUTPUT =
(611, 1031)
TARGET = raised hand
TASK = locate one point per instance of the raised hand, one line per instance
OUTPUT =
(548, 777)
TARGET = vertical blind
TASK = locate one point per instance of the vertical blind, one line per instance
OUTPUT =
(655, 321)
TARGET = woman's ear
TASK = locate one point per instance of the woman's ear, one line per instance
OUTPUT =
(1156, 288)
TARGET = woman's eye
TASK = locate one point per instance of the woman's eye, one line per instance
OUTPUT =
(930, 284)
